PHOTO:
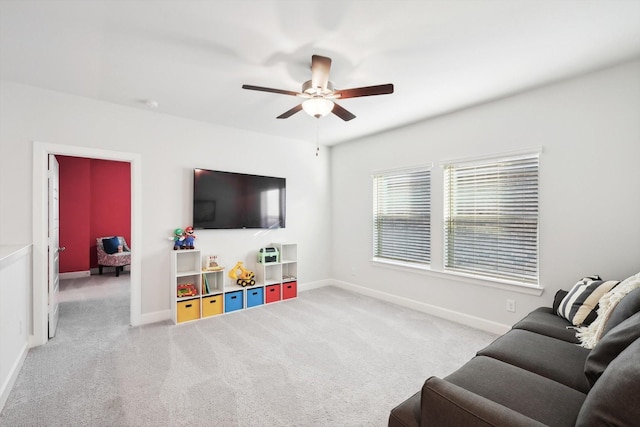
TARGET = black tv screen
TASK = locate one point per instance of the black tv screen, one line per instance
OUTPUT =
(224, 200)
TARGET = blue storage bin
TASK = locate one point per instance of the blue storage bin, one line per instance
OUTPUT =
(255, 296)
(233, 301)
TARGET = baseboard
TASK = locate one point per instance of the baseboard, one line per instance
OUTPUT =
(75, 275)
(7, 386)
(455, 316)
(154, 317)
(314, 285)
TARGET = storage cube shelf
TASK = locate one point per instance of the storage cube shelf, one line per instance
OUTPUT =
(276, 281)
(279, 272)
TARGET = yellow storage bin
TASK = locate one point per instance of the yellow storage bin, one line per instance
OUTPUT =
(188, 310)
(212, 305)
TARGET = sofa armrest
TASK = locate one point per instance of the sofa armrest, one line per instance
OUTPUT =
(444, 403)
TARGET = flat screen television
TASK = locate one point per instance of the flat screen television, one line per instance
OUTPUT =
(228, 200)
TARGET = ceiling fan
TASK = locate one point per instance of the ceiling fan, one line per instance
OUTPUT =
(320, 93)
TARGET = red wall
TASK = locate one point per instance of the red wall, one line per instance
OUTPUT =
(95, 201)
(75, 228)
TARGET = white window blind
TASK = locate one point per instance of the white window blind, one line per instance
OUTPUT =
(402, 216)
(491, 218)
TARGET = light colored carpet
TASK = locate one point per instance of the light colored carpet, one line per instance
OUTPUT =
(327, 358)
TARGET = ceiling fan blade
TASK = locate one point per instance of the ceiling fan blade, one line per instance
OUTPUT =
(342, 113)
(365, 91)
(320, 67)
(290, 113)
(268, 89)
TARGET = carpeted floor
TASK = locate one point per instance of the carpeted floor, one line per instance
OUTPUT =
(327, 358)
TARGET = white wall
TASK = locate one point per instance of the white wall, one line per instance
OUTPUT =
(15, 292)
(169, 147)
(589, 130)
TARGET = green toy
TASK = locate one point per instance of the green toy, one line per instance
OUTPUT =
(178, 239)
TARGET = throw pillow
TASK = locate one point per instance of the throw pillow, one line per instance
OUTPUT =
(610, 346)
(111, 245)
(590, 335)
(557, 299)
(627, 307)
(580, 305)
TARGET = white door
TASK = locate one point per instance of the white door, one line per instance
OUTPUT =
(54, 245)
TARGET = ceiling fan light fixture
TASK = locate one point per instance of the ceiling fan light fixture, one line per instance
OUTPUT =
(319, 93)
(317, 107)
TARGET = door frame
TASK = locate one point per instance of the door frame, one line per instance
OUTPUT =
(53, 243)
(41, 153)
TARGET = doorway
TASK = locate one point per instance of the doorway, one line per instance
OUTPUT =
(41, 152)
(95, 202)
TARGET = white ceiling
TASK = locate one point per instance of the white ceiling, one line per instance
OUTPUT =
(192, 57)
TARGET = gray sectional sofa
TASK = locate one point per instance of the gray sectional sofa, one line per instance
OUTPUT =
(537, 374)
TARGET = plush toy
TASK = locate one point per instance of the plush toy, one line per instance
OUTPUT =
(178, 239)
(189, 238)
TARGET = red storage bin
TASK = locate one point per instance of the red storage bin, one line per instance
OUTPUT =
(289, 290)
(272, 293)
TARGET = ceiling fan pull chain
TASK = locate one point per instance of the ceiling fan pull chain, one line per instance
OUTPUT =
(317, 137)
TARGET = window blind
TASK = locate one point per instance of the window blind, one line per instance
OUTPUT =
(491, 218)
(402, 216)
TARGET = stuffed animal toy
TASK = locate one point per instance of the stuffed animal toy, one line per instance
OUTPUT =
(189, 238)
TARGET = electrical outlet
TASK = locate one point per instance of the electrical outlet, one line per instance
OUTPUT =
(511, 305)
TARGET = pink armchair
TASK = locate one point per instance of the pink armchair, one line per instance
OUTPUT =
(116, 259)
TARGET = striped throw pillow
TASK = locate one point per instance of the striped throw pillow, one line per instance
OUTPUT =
(580, 305)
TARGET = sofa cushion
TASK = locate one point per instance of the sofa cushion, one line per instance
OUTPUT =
(580, 305)
(610, 346)
(545, 321)
(613, 400)
(532, 395)
(551, 358)
(446, 404)
(406, 414)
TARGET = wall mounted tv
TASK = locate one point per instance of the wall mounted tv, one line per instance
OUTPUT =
(226, 200)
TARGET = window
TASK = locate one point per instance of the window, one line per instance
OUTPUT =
(491, 218)
(402, 216)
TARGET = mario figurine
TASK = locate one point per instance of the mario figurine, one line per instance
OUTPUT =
(178, 239)
(189, 238)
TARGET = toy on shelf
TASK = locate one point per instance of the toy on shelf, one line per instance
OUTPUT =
(267, 255)
(189, 238)
(212, 264)
(245, 278)
(187, 290)
(178, 239)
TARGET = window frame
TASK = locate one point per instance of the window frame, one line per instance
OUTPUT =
(531, 281)
(398, 173)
